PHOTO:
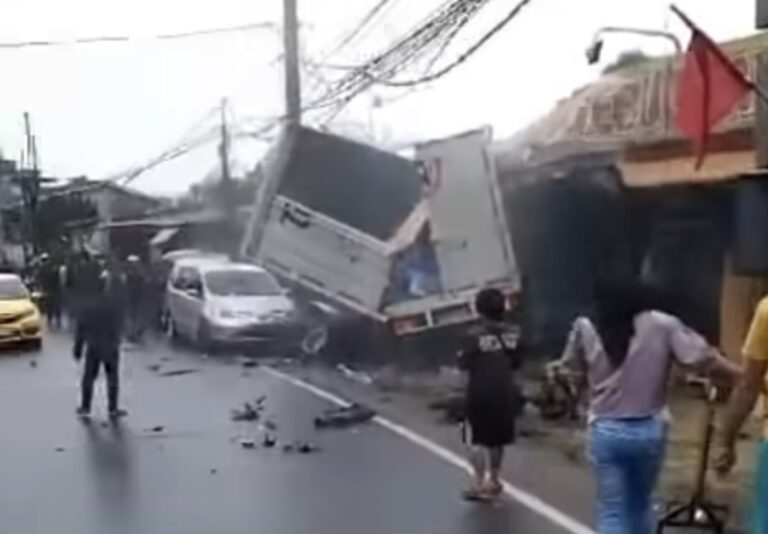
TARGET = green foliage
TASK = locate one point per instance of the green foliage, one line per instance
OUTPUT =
(53, 223)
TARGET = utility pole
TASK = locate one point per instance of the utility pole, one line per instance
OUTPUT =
(292, 74)
(274, 170)
(761, 12)
(225, 186)
(29, 182)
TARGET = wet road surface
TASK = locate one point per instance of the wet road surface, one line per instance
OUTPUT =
(60, 476)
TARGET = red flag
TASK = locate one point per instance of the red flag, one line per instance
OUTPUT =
(709, 88)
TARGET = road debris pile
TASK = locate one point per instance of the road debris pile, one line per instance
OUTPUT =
(250, 412)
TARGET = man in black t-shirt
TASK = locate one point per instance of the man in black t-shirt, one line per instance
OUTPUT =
(489, 355)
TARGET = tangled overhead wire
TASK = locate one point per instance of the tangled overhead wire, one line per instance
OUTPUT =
(426, 44)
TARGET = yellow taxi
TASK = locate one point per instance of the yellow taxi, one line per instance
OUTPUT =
(19, 316)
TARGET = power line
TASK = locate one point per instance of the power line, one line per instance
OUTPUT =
(437, 30)
(124, 38)
(464, 56)
(361, 26)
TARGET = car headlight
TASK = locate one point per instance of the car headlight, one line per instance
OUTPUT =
(226, 314)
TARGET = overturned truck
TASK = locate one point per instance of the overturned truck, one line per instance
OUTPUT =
(397, 246)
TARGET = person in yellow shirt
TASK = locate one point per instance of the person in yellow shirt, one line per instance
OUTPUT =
(742, 404)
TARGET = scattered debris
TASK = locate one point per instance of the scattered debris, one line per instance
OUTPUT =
(269, 441)
(157, 429)
(355, 414)
(307, 448)
(269, 424)
(60, 449)
(33, 363)
(357, 376)
(155, 367)
(214, 471)
(451, 406)
(247, 443)
(248, 362)
(289, 448)
(179, 372)
(247, 413)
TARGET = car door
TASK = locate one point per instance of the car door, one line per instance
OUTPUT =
(175, 296)
(184, 301)
(194, 301)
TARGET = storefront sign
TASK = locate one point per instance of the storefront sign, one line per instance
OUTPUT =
(639, 106)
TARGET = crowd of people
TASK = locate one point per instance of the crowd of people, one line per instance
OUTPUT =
(102, 301)
(66, 284)
(623, 353)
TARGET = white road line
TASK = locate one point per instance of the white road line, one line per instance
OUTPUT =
(523, 497)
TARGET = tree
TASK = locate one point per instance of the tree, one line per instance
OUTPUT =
(54, 221)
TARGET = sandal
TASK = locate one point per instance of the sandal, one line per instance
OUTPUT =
(495, 489)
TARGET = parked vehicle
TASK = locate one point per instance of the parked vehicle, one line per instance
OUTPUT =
(219, 303)
(19, 316)
(164, 268)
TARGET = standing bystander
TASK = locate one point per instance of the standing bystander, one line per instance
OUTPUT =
(742, 403)
(490, 354)
(98, 336)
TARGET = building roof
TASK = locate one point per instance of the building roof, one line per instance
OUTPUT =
(633, 106)
(356, 184)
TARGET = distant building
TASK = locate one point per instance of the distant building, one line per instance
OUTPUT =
(110, 202)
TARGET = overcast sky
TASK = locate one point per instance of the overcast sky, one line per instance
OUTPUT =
(99, 109)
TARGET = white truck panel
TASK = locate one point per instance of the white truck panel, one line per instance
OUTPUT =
(325, 255)
(471, 237)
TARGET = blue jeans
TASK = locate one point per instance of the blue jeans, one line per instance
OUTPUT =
(761, 492)
(627, 455)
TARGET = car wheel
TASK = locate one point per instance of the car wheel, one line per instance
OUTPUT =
(171, 331)
(204, 342)
(315, 340)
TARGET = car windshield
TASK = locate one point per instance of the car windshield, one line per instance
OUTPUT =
(243, 283)
(12, 289)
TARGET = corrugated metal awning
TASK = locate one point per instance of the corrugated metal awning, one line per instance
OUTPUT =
(164, 236)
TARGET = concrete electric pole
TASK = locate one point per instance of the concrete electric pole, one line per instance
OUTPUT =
(762, 14)
(272, 173)
(292, 74)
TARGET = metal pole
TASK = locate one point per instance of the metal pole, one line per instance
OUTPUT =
(270, 178)
(644, 32)
(292, 74)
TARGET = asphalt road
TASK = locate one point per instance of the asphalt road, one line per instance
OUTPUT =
(60, 476)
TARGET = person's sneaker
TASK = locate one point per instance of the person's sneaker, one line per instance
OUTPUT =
(117, 414)
(83, 413)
